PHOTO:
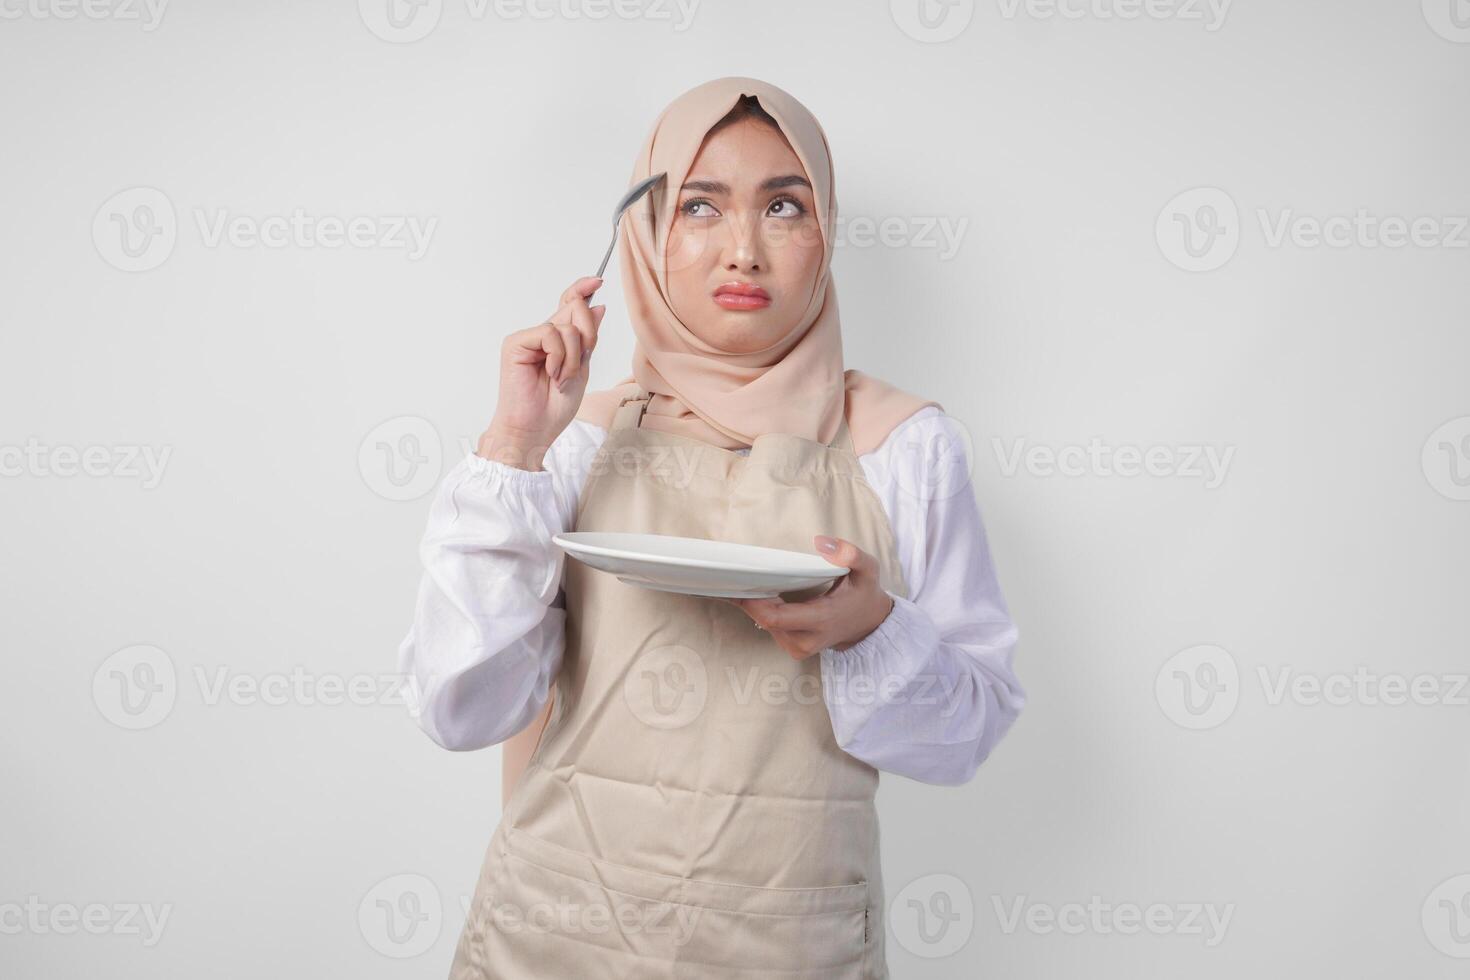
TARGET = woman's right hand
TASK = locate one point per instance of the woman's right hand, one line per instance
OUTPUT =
(543, 374)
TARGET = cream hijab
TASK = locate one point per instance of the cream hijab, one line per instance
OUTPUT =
(797, 385)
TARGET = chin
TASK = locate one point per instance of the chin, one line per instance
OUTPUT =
(743, 333)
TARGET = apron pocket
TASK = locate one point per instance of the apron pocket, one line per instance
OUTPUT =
(582, 912)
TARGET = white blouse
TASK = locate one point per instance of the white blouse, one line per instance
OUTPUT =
(928, 694)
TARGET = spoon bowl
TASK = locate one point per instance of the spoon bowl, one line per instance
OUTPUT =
(628, 199)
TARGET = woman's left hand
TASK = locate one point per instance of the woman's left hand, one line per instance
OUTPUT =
(840, 617)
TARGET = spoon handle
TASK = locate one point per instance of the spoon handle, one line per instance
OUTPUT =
(603, 267)
(628, 199)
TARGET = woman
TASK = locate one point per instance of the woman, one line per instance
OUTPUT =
(700, 801)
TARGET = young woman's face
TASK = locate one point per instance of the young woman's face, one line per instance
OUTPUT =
(745, 248)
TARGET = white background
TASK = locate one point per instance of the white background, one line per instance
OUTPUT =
(1334, 541)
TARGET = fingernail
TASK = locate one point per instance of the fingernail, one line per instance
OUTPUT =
(824, 543)
(586, 356)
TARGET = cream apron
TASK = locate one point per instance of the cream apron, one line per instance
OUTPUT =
(687, 812)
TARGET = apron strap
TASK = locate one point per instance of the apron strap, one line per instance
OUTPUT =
(630, 411)
(843, 438)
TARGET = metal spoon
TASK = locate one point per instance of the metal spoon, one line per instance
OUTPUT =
(628, 200)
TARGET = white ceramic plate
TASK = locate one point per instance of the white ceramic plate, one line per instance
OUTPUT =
(696, 566)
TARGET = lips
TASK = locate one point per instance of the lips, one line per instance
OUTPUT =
(742, 296)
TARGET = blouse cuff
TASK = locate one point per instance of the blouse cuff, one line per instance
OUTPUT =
(860, 681)
(494, 475)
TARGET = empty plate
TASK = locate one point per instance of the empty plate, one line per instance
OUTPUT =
(697, 566)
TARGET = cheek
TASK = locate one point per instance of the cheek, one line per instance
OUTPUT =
(687, 276)
(687, 247)
(800, 256)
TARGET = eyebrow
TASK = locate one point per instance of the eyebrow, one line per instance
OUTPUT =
(774, 184)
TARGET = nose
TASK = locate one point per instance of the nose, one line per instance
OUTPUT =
(745, 249)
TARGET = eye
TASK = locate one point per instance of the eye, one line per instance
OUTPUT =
(690, 208)
(789, 207)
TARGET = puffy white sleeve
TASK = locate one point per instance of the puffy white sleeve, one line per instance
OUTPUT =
(931, 691)
(488, 630)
